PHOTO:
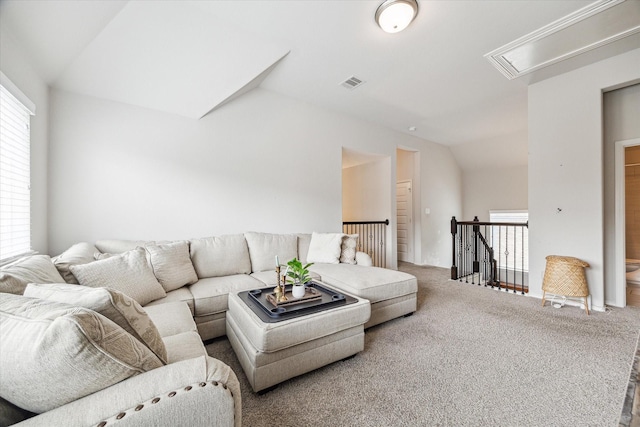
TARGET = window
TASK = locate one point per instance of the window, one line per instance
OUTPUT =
(513, 242)
(15, 198)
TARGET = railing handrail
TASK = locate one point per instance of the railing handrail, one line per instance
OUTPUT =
(386, 222)
(514, 224)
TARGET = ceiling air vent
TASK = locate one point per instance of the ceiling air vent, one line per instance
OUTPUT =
(352, 82)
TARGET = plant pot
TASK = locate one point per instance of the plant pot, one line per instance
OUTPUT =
(298, 291)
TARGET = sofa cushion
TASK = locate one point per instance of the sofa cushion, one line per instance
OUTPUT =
(264, 247)
(80, 253)
(373, 283)
(186, 345)
(117, 246)
(14, 277)
(210, 295)
(171, 318)
(220, 256)
(112, 304)
(179, 295)
(325, 247)
(60, 353)
(348, 249)
(304, 240)
(129, 273)
(172, 265)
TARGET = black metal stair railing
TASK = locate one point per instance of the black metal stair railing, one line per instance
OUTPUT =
(372, 238)
(492, 254)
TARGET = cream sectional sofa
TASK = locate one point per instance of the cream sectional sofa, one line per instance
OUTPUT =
(191, 294)
(240, 262)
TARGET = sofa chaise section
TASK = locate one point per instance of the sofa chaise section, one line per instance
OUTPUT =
(391, 293)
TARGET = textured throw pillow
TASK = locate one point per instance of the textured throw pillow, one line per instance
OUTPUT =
(348, 250)
(112, 304)
(325, 248)
(80, 253)
(220, 256)
(14, 277)
(60, 353)
(129, 273)
(264, 247)
(172, 265)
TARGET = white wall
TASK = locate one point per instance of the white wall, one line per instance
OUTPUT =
(440, 191)
(490, 189)
(18, 69)
(621, 122)
(566, 167)
(263, 162)
(362, 199)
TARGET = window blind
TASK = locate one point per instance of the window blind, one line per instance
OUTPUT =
(15, 173)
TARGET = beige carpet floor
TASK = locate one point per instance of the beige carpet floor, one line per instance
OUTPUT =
(469, 356)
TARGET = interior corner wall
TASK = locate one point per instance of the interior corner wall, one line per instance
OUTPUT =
(494, 189)
(263, 162)
(566, 201)
(362, 199)
(19, 70)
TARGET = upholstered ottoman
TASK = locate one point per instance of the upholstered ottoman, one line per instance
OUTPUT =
(274, 352)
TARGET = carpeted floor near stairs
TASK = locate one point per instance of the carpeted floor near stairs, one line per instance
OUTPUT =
(469, 356)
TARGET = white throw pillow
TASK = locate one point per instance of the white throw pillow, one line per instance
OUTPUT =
(80, 253)
(112, 304)
(348, 251)
(14, 277)
(325, 248)
(129, 273)
(172, 265)
(60, 353)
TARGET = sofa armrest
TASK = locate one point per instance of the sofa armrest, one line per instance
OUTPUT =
(363, 258)
(197, 392)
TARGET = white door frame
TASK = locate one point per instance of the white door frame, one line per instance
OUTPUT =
(620, 218)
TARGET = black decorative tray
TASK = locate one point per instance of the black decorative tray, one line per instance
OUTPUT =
(256, 299)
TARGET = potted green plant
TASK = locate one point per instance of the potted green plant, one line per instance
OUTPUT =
(298, 275)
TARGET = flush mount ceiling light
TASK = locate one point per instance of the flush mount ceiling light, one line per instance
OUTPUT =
(394, 16)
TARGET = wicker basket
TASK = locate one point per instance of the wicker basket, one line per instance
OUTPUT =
(564, 275)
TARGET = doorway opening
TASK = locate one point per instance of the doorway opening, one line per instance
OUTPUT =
(366, 197)
(408, 205)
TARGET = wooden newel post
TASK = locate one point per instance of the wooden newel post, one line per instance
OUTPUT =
(476, 231)
(454, 231)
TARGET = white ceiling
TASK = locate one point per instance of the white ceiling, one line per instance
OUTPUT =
(188, 57)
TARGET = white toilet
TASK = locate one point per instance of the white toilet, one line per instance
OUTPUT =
(633, 272)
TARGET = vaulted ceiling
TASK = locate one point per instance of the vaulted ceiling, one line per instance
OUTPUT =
(190, 57)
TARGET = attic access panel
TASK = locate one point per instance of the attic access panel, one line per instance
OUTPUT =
(593, 26)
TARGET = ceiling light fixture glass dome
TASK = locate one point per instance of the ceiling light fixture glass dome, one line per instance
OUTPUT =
(394, 16)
